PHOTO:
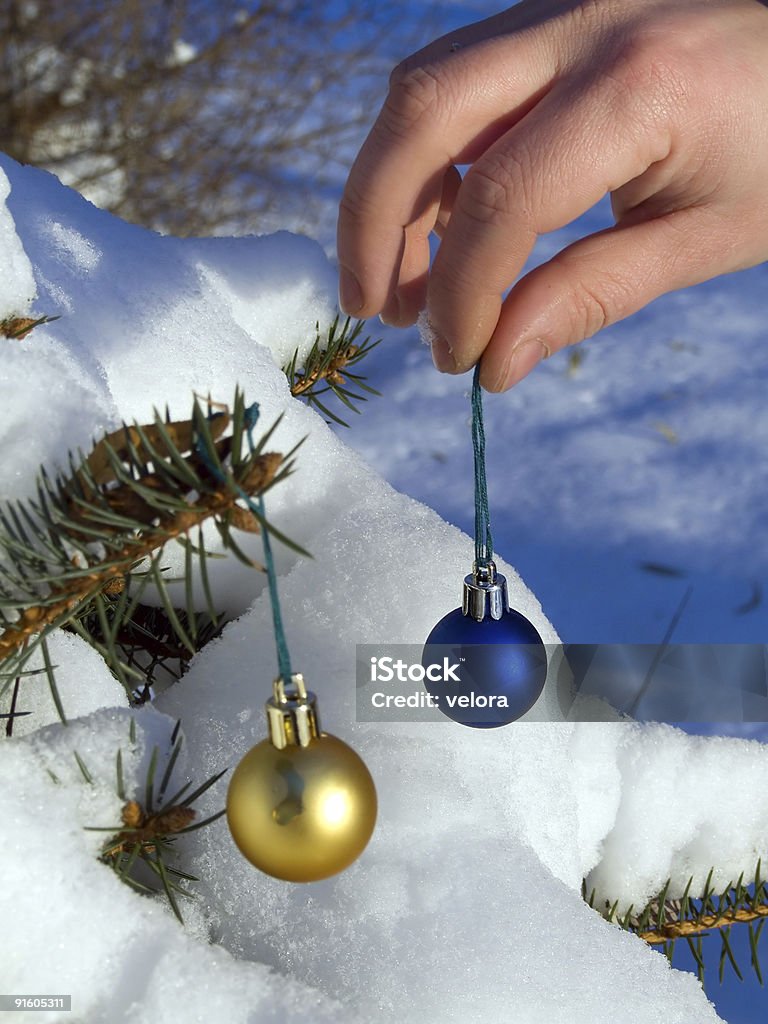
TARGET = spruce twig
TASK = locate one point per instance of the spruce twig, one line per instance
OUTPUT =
(664, 920)
(18, 327)
(326, 369)
(708, 922)
(148, 831)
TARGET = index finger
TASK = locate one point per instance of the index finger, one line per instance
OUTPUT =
(439, 113)
(541, 175)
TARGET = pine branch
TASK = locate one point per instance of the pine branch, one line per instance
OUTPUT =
(326, 369)
(706, 923)
(664, 920)
(70, 552)
(18, 327)
(147, 832)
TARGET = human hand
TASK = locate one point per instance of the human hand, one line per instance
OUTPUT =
(661, 103)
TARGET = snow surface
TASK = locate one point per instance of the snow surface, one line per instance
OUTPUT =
(75, 661)
(467, 901)
(70, 926)
(15, 269)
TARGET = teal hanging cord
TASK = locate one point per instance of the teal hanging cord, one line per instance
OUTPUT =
(283, 656)
(483, 539)
(257, 507)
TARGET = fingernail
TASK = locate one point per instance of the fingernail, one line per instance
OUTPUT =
(442, 356)
(522, 360)
(391, 315)
(350, 292)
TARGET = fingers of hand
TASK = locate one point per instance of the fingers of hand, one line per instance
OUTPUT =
(596, 282)
(574, 101)
(524, 186)
(435, 116)
(525, 14)
(409, 295)
(451, 185)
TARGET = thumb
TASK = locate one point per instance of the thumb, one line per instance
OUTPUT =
(598, 281)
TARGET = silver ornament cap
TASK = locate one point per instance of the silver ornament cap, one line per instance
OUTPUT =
(485, 593)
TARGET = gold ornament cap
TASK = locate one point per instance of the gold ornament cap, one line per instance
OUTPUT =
(292, 713)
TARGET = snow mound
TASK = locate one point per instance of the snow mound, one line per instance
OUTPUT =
(467, 901)
(15, 269)
(671, 808)
(70, 926)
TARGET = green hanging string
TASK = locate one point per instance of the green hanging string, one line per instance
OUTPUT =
(257, 507)
(483, 539)
(283, 656)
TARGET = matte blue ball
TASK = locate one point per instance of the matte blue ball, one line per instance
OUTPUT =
(498, 661)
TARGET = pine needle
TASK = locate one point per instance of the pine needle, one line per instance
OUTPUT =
(326, 369)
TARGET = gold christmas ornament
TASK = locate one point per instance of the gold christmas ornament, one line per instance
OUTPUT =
(301, 804)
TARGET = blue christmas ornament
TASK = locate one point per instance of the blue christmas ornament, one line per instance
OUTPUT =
(485, 664)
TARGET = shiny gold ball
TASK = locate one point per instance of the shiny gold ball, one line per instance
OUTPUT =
(301, 813)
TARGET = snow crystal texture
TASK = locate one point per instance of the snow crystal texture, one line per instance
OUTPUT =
(466, 906)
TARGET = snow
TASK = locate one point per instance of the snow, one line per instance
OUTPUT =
(182, 315)
(69, 925)
(182, 53)
(15, 268)
(674, 811)
(467, 901)
(83, 682)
